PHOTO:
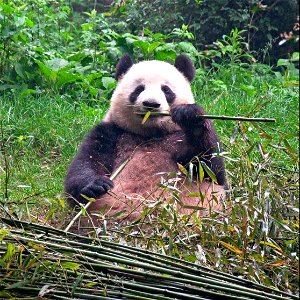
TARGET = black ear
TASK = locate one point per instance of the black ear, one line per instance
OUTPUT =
(123, 65)
(185, 66)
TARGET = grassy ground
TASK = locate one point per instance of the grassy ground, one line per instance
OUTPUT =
(257, 237)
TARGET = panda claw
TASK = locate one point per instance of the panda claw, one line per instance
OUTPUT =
(186, 115)
(97, 188)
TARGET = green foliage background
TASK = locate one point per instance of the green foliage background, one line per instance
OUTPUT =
(57, 62)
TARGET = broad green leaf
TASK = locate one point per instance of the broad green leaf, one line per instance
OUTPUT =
(64, 77)
(56, 63)
(19, 70)
(165, 55)
(45, 70)
(283, 62)
(3, 233)
(295, 56)
(248, 89)
(27, 92)
(108, 82)
(188, 48)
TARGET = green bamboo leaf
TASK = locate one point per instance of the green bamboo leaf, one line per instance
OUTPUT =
(147, 115)
(70, 265)
(290, 151)
(182, 169)
(209, 172)
(3, 233)
(201, 172)
(119, 213)
(271, 245)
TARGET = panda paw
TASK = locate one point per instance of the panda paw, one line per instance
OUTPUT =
(97, 187)
(186, 115)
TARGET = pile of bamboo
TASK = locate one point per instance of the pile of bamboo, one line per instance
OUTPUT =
(40, 262)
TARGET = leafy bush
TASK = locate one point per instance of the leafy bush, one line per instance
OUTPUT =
(263, 22)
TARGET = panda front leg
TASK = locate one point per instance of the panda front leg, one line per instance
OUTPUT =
(202, 138)
(88, 174)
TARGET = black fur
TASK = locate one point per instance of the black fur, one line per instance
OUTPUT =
(123, 65)
(134, 95)
(170, 96)
(185, 66)
(201, 137)
(90, 170)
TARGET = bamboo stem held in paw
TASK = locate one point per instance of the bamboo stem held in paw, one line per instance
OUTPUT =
(233, 118)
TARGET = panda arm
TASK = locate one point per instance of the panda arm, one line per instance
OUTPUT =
(201, 137)
(90, 170)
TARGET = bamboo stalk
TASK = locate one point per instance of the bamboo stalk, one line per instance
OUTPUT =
(174, 275)
(186, 266)
(233, 118)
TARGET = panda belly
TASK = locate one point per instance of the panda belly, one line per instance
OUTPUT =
(150, 164)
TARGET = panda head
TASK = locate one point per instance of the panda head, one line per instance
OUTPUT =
(153, 86)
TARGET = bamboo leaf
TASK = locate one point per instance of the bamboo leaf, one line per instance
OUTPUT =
(147, 115)
(209, 172)
(231, 247)
(182, 169)
(271, 245)
(201, 172)
(278, 263)
(290, 151)
(70, 265)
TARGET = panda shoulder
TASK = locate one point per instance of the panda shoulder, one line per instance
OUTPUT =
(103, 135)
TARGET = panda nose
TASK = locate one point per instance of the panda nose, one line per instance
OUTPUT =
(151, 104)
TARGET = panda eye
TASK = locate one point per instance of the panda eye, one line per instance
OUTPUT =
(170, 96)
(134, 95)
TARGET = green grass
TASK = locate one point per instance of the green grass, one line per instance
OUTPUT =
(257, 237)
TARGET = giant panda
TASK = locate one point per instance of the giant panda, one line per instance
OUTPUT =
(155, 151)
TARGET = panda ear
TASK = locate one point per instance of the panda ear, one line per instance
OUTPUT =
(123, 65)
(185, 66)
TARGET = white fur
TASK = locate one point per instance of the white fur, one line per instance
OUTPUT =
(152, 74)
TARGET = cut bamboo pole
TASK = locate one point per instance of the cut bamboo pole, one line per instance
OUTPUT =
(233, 118)
(103, 266)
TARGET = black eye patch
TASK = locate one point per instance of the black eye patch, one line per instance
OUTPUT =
(133, 96)
(170, 95)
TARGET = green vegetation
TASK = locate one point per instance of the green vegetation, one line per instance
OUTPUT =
(56, 75)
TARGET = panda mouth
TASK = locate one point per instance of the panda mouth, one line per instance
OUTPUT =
(153, 113)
